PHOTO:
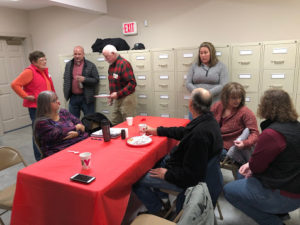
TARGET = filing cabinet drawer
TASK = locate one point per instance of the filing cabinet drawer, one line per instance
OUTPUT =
(163, 81)
(223, 54)
(183, 105)
(251, 101)
(144, 81)
(280, 56)
(165, 114)
(180, 84)
(144, 101)
(103, 87)
(99, 61)
(141, 112)
(185, 58)
(283, 79)
(125, 55)
(246, 57)
(163, 60)
(164, 101)
(102, 102)
(103, 84)
(183, 100)
(182, 113)
(140, 60)
(248, 78)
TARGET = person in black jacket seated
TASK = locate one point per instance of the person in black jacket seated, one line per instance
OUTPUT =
(186, 166)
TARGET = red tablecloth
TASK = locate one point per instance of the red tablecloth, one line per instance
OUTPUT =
(45, 195)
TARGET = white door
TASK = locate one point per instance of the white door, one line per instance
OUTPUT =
(12, 62)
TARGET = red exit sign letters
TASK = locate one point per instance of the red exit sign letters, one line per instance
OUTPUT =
(129, 28)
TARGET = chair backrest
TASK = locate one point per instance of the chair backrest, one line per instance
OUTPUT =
(214, 178)
(197, 208)
(92, 122)
(10, 157)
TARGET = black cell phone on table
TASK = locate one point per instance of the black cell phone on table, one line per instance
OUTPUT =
(82, 178)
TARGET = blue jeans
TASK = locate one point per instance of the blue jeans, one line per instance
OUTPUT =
(37, 154)
(223, 154)
(78, 103)
(259, 203)
(147, 190)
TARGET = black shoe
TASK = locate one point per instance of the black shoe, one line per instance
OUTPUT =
(161, 213)
(166, 205)
(284, 216)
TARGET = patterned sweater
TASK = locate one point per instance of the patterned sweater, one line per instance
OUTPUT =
(50, 134)
(234, 124)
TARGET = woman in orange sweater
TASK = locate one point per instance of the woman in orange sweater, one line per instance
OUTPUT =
(33, 80)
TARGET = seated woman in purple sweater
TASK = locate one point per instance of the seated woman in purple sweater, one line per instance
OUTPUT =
(55, 129)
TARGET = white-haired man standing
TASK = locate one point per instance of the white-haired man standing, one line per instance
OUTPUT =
(122, 85)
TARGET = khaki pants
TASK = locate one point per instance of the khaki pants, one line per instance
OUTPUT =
(123, 108)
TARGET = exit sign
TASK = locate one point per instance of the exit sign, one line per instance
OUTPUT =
(129, 28)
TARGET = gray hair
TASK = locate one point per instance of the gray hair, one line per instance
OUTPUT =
(43, 110)
(110, 49)
(44, 104)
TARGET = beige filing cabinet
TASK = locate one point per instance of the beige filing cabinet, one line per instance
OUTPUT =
(280, 66)
(185, 58)
(163, 77)
(246, 67)
(141, 63)
(103, 88)
(223, 54)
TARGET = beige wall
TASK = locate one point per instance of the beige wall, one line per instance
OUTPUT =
(13, 22)
(172, 23)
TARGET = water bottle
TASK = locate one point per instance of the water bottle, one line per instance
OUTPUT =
(105, 130)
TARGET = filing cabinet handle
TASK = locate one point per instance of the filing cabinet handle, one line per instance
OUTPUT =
(101, 67)
(142, 85)
(246, 85)
(140, 65)
(244, 62)
(277, 61)
(103, 85)
(163, 104)
(276, 86)
(162, 65)
(186, 64)
(142, 103)
(163, 85)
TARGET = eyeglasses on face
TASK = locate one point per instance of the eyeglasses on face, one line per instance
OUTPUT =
(43, 59)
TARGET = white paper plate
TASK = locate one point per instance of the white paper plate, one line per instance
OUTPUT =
(139, 140)
(102, 96)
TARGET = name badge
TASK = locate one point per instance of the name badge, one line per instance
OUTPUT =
(115, 76)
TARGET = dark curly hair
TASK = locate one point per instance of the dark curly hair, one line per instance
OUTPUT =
(277, 105)
(213, 57)
(233, 89)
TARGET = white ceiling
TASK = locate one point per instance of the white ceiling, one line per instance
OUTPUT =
(87, 5)
(25, 4)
